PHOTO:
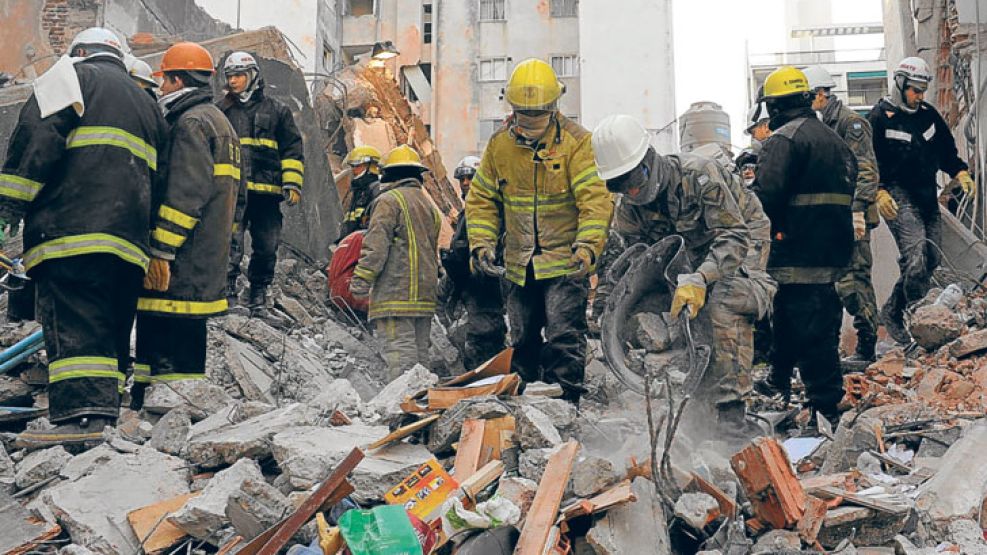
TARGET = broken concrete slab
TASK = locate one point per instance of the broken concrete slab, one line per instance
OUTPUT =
(7, 472)
(73, 549)
(535, 429)
(18, 529)
(650, 332)
(339, 395)
(15, 392)
(958, 489)
(449, 426)
(637, 527)
(850, 441)
(256, 506)
(387, 403)
(121, 484)
(40, 465)
(205, 515)
(867, 526)
(969, 536)
(295, 310)
(591, 474)
(199, 397)
(696, 510)
(969, 344)
(775, 541)
(561, 413)
(250, 438)
(933, 326)
(170, 434)
(531, 463)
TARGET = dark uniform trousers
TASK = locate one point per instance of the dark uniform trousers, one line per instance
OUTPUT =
(158, 359)
(806, 329)
(263, 219)
(86, 304)
(557, 305)
(917, 232)
(485, 326)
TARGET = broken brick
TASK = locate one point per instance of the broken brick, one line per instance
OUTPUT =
(766, 475)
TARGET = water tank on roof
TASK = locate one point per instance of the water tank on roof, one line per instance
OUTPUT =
(704, 123)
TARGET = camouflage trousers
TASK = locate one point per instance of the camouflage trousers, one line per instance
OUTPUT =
(405, 342)
(856, 290)
(734, 304)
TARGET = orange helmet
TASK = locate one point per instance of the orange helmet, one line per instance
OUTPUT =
(186, 56)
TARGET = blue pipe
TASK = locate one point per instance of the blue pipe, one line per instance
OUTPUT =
(21, 357)
(17, 348)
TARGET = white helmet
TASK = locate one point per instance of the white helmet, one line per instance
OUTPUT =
(758, 112)
(914, 69)
(620, 142)
(819, 78)
(467, 167)
(139, 70)
(99, 36)
(240, 62)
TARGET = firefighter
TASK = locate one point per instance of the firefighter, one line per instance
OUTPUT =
(141, 73)
(274, 158)
(699, 199)
(82, 180)
(399, 262)
(538, 187)
(856, 289)
(805, 178)
(912, 144)
(192, 216)
(365, 164)
(480, 295)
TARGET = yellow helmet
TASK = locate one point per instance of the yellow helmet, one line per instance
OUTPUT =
(785, 81)
(364, 154)
(533, 86)
(402, 157)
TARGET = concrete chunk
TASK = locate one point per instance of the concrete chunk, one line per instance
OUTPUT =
(7, 479)
(38, 466)
(590, 475)
(778, 541)
(255, 507)
(517, 490)
(958, 489)
(969, 344)
(204, 515)
(199, 397)
(637, 527)
(535, 429)
(341, 396)
(387, 403)
(696, 510)
(933, 326)
(250, 438)
(449, 426)
(170, 434)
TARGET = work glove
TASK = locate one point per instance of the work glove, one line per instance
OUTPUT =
(158, 276)
(359, 288)
(966, 183)
(886, 205)
(583, 259)
(483, 261)
(292, 196)
(859, 226)
(691, 292)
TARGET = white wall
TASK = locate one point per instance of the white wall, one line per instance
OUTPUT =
(628, 64)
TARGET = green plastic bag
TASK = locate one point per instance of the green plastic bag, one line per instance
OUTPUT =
(383, 530)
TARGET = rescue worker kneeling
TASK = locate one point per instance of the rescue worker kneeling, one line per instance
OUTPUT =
(192, 222)
(399, 262)
(690, 196)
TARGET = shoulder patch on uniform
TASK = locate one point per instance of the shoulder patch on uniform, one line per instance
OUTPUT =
(703, 180)
(857, 125)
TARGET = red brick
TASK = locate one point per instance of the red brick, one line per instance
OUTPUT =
(766, 475)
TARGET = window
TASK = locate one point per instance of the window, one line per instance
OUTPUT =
(427, 23)
(866, 88)
(487, 128)
(361, 7)
(493, 69)
(566, 65)
(328, 57)
(492, 10)
(565, 8)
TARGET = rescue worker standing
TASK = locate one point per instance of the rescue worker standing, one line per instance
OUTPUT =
(192, 217)
(479, 294)
(364, 162)
(856, 289)
(694, 197)
(912, 143)
(538, 186)
(274, 160)
(399, 262)
(805, 179)
(83, 184)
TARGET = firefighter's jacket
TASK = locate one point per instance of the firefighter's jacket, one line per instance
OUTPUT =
(695, 201)
(856, 132)
(547, 199)
(273, 153)
(83, 184)
(400, 255)
(195, 212)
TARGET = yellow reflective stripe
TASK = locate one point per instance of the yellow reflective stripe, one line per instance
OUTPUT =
(401, 306)
(174, 377)
(177, 217)
(819, 199)
(584, 178)
(93, 135)
(142, 373)
(263, 187)
(89, 243)
(480, 229)
(83, 367)
(20, 188)
(292, 177)
(412, 247)
(364, 273)
(482, 182)
(292, 164)
(226, 170)
(176, 306)
(269, 143)
(167, 237)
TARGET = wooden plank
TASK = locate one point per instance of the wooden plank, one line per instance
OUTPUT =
(403, 432)
(727, 506)
(617, 495)
(545, 507)
(499, 364)
(833, 480)
(859, 500)
(443, 398)
(470, 449)
(151, 526)
(480, 479)
(498, 435)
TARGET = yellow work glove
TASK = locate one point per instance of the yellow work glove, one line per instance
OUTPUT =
(582, 258)
(859, 226)
(886, 205)
(691, 292)
(158, 276)
(966, 183)
(292, 196)
(484, 262)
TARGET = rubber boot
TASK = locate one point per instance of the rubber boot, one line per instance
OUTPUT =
(257, 302)
(768, 388)
(892, 318)
(76, 435)
(864, 355)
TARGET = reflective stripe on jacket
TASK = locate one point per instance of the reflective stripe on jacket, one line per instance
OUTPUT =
(547, 200)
